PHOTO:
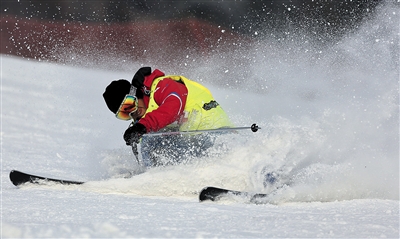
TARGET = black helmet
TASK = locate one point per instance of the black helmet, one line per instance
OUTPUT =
(115, 94)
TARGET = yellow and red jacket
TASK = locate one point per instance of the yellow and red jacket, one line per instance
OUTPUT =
(177, 100)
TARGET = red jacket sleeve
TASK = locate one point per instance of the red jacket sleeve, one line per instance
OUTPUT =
(170, 96)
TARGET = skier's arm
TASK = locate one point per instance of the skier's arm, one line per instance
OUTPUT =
(171, 97)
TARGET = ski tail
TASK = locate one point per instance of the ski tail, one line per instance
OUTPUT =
(18, 178)
(215, 194)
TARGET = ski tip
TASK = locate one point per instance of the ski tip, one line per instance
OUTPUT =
(18, 178)
(211, 193)
(205, 195)
(215, 194)
(15, 177)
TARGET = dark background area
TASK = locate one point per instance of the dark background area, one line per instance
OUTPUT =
(112, 34)
(333, 17)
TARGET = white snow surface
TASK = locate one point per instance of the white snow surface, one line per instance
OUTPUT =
(329, 130)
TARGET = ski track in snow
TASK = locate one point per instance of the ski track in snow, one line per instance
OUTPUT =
(331, 141)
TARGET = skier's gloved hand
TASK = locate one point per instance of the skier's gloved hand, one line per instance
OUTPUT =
(134, 133)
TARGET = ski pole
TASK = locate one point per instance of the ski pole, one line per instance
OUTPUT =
(253, 128)
(135, 151)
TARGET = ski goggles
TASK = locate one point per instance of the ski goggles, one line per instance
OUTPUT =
(128, 106)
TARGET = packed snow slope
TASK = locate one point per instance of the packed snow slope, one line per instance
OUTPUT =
(330, 136)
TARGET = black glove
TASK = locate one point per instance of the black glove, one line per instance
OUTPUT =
(134, 133)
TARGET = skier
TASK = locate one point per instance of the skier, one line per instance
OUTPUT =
(158, 102)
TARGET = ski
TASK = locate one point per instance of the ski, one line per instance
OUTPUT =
(215, 194)
(18, 178)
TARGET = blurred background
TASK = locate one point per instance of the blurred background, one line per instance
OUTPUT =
(110, 34)
(245, 16)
